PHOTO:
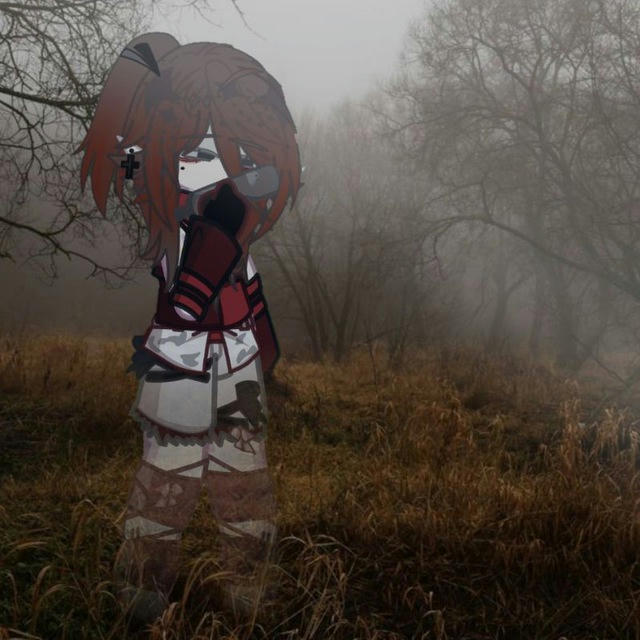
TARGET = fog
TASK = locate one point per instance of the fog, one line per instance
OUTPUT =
(471, 176)
(321, 51)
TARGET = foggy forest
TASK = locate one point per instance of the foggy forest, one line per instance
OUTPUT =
(454, 420)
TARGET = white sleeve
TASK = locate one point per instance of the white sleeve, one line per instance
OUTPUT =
(251, 267)
(185, 315)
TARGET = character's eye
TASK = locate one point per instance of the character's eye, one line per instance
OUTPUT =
(199, 155)
(206, 154)
(129, 158)
(127, 147)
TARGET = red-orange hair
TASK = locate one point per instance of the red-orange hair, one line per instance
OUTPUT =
(167, 110)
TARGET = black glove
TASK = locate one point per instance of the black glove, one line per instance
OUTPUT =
(141, 359)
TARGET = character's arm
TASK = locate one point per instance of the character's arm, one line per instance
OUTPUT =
(208, 258)
(265, 333)
(210, 252)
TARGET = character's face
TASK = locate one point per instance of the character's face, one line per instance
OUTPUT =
(202, 166)
(200, 173)
(196, 169)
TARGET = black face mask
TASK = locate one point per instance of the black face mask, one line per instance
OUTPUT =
(226, 209)
(253, 184)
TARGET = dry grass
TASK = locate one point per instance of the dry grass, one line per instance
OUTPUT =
(461, 498)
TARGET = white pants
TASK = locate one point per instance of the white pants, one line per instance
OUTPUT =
(228, 458)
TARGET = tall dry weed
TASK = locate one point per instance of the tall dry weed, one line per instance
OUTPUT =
(467, 496)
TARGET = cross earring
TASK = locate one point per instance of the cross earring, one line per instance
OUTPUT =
(130, 164)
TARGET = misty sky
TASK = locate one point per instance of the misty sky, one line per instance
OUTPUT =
(321, 51)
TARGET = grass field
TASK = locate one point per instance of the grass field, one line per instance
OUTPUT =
(464, 497)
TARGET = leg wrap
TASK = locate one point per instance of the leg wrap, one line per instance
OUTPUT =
(159, 508)
(240, 490)
(241, 495)
(244, 507)
(161, 502)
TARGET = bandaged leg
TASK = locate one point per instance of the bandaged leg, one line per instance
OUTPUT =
(240, 489)
(164, 495)
(237, 479)
(244, 508)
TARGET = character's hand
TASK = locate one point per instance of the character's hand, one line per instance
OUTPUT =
(141, 359)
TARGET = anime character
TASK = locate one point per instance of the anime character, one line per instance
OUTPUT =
(203, 133)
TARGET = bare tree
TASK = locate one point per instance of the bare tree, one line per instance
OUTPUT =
(526, 115)
(350, 253)
(54, 57)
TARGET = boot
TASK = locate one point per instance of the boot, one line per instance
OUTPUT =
(245, 592)
(145, 572)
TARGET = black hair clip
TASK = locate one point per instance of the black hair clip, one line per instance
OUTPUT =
(142, 54)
